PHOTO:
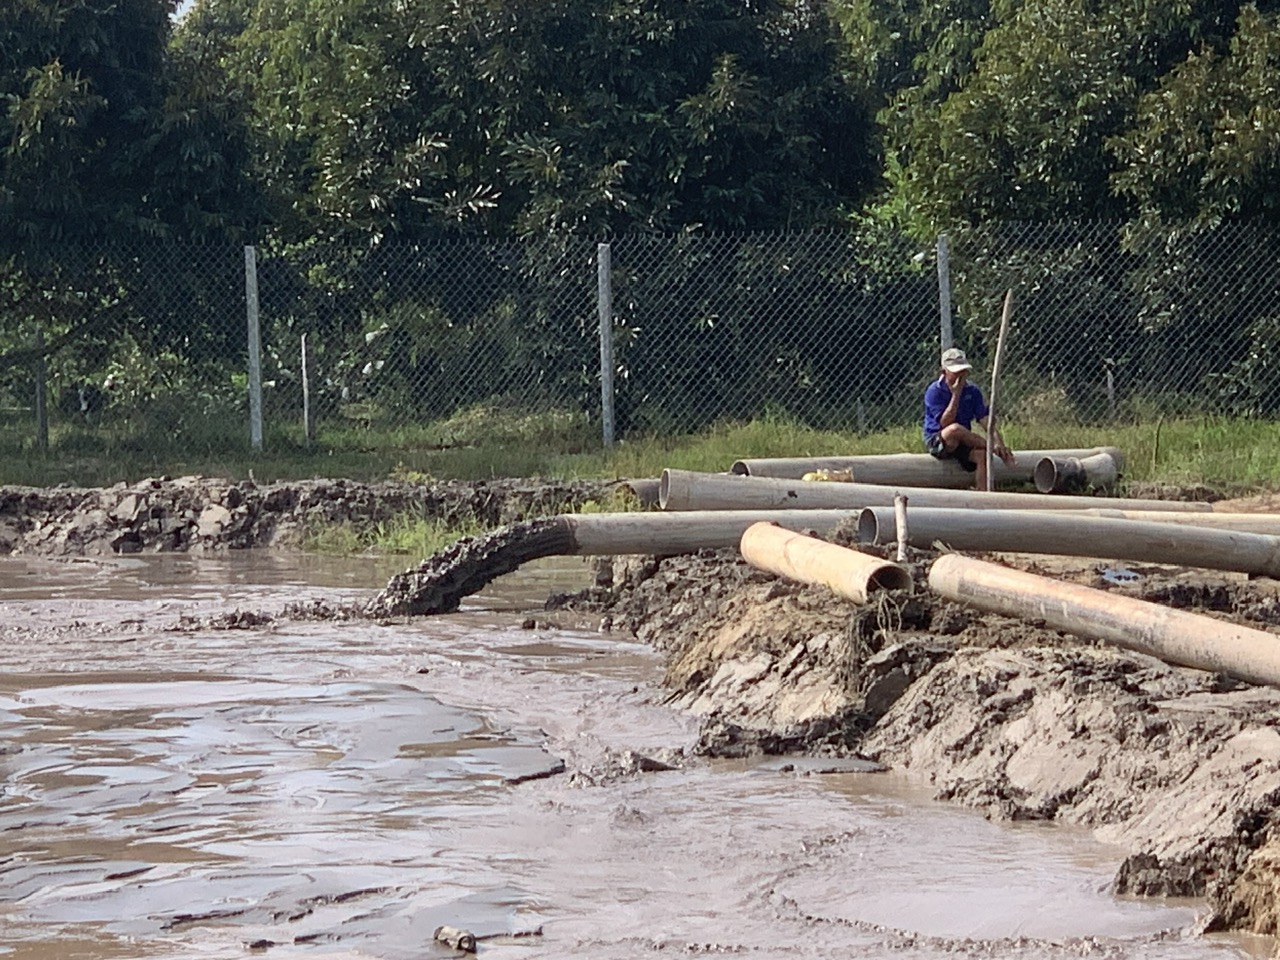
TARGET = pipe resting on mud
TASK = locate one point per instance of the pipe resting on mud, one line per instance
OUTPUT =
(1175, 636)
(910, 469)
(687, 490)
(1017, 531)
(851, 574)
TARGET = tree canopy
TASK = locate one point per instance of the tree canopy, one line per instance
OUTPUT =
(372, 118)
(514, 117)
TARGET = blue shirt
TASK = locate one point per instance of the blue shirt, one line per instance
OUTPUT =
(972, 407)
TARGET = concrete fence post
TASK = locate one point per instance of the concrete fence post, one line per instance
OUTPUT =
(604, 298)
(944, 291)
(42, 393)
(255, 346)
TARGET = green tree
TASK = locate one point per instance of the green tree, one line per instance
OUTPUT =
(1205, 144)
(511, 117)
(110, 140)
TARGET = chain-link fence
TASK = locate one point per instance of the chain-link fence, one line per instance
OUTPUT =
(148, 349)
(1128, 322)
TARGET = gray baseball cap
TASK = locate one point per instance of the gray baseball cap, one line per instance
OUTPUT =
(954, 360)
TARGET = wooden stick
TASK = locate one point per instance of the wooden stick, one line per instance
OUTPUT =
(995, 383)
(900, 519)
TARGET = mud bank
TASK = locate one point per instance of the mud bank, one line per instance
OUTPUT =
(1179, 768)
(198, 513)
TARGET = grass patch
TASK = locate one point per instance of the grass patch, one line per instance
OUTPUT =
(417, 536)
(401, 536)
(488, 441)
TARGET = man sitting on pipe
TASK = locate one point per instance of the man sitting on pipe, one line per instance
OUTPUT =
(951, 405)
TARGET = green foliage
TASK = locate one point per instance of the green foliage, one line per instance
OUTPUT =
(1072, 108)
(1206, 142)
(568, 116)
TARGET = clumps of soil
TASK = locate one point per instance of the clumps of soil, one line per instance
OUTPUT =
(615, 765)
(1249, 601)
(771, 666)
(322, 611)
(197, 513)
(1179, 767)
(236, 620)
(1184, 492)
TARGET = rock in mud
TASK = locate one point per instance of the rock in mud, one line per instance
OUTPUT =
(456, 937)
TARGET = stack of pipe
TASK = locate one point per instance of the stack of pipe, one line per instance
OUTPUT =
(918, 469)
(686, 490)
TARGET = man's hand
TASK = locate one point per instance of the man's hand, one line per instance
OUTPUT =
(1004, 453)
(956, 381)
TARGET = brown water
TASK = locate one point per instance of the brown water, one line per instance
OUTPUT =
(340, 790)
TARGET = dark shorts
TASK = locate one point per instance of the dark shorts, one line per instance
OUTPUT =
(960, 454)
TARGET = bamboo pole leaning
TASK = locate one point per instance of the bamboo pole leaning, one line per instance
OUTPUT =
(1007, 531)
(849, 573)
(687, 490)
(1175, 636)
(988, 452)
(910, 469)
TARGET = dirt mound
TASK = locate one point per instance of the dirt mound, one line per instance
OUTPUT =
(199, 513)
(1179, 767)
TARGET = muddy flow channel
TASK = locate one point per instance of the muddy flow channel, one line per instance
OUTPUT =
(321, 789)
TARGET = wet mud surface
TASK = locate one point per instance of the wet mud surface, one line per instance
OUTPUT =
(1177, 767)
(302, 788)
(226, 755)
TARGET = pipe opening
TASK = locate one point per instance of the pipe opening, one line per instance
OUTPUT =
(645, 490)
(740, 469)
(1046, 475)
(890, 577)
(868, 526)
(664, 489)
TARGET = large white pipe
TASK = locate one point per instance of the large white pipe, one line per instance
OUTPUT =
(1268, 523)
(686, 490)
(1007, 531)
(608, 534)
(1172, 635)
(909, 469)
(849, 573)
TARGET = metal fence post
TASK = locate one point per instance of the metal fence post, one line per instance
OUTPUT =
(604, 297)
(42, 393)
(308, 419)
(255, 347)
(944, 291)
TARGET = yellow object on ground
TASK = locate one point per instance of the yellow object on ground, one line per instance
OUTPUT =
(830, 476)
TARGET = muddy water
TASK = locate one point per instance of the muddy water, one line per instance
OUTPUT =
(340, 790)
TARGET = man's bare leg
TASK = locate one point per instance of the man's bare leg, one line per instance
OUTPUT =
(953, 435)
(980, 475)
